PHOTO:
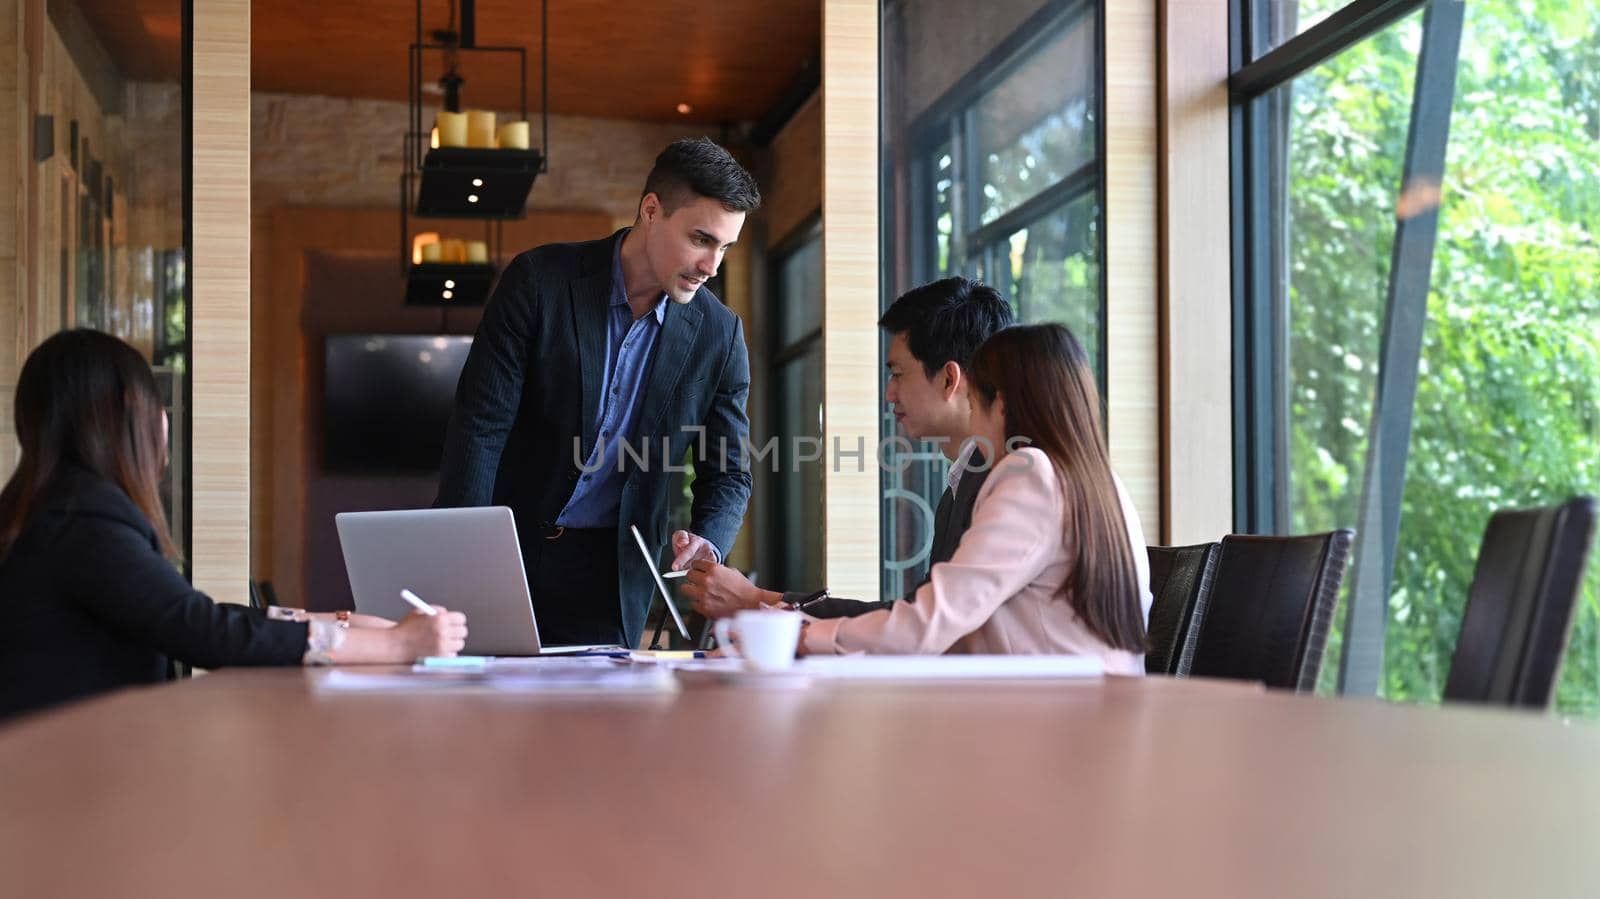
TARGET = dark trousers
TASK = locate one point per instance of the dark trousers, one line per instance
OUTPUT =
(572, 574)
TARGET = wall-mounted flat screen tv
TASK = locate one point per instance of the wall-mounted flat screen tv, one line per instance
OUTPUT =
(386, 400)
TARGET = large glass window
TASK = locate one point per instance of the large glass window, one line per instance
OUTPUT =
(1506, 409)
(795, 531)
(1276, 21)
(1344, 124)
(993, 150)
(1012, 179)
(97, 194)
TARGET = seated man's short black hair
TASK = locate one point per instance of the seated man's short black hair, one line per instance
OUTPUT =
(946, 320)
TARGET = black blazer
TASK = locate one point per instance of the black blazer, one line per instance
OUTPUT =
(90, 604)
(950, 521)
(524, 416)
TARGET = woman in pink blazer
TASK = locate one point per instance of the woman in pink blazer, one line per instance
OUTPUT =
(1054, 561)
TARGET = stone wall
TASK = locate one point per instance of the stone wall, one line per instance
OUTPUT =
(327, 151)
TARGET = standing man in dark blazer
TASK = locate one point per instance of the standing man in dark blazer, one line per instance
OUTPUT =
(933, 331)
(595, 369)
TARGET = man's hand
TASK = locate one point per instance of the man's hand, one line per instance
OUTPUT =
(687, 547)
(718, 591)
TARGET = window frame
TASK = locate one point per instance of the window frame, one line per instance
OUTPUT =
(948, 115)
(952, 114)
(1260, 326)
(782, 546)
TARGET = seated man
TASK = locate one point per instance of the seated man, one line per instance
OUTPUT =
(933, 330)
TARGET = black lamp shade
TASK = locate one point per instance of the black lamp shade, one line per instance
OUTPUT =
(449, 284)
(471, 182)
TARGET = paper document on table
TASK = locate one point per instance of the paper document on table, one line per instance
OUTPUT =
(574, 676)
(950, 667)
(526, 664)
(665, 656)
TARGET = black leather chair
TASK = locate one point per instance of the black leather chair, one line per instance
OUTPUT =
(1518, 616)
(1180, 584)
(1272, 600)
(262, 595)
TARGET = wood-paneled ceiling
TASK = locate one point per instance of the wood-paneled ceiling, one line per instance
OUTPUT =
(639, 59)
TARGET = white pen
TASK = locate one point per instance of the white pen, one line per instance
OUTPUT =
(417, 603)
(673, 574)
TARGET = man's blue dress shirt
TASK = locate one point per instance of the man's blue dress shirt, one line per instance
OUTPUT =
(630, 349)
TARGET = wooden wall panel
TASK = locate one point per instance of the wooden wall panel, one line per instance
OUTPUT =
(850, 294)
(793, 170)
(1196, 333)
(1133, 398)
(220, 273)
(13, 190)
(738, 293)
(263, 367)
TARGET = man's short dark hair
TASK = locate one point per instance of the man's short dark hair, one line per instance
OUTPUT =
(698, 167)
(946, 320)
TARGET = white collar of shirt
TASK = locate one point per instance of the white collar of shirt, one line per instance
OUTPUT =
(952, 478)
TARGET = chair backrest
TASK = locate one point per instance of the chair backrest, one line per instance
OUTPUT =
(1272, 600)
(1518, 615)
(1180, 581)
(262, 595)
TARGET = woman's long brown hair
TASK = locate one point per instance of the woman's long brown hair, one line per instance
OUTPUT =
(1052, 403)
(88, 399)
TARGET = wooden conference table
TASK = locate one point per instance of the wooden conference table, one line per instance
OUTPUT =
(248, 783)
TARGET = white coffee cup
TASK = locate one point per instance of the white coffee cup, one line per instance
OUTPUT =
(765, 638)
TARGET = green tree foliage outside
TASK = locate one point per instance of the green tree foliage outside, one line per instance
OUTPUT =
(1507, 413)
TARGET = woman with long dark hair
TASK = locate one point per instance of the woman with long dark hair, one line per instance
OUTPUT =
(91, 599)
(1054, 561)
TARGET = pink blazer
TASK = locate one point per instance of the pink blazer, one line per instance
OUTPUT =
(1001, 591)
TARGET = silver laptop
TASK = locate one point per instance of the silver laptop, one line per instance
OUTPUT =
(467, 560)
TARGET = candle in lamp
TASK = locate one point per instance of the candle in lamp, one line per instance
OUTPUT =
(420, 241)
(432, 252)
(452, 128)
(480, 128)
(514, 136)
(477, 251)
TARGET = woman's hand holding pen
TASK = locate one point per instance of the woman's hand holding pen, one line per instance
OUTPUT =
(441, 634)
(436, 632)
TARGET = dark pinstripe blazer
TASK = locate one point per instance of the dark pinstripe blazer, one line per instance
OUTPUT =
(524, 417)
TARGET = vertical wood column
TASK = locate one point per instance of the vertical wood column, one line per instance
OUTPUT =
(1132, 360)
(15, 162)
(1196, 282)
(851, 490)
(220, 279)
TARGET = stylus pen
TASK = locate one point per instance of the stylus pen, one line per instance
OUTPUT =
(417, 603)
(672, 574)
